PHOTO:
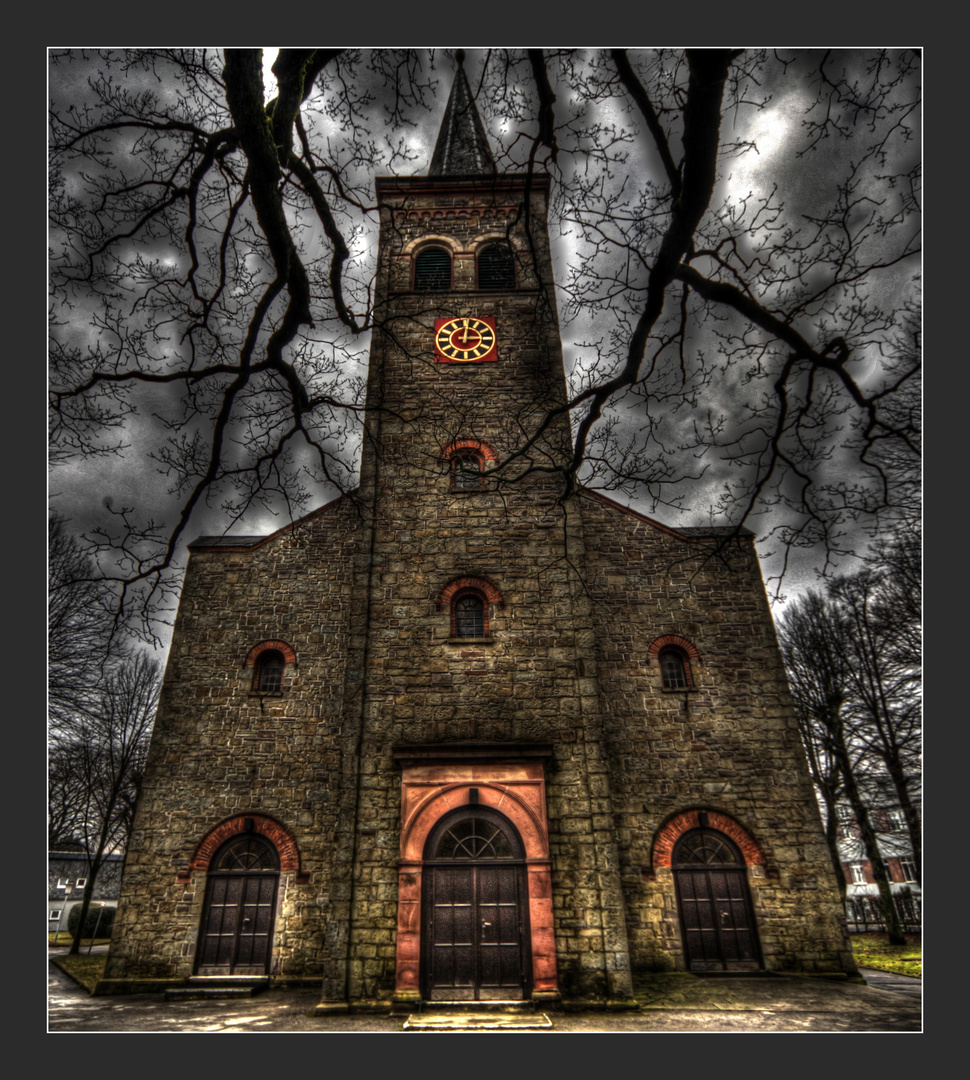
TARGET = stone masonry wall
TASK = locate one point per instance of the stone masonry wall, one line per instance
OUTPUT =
(729, 745)
(220, 750)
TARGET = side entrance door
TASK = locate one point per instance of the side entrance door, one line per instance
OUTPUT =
(475, 908)
(716, 916)
(236, 934)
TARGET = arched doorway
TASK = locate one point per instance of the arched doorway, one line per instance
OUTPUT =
(476, 910)
(716, 917)
(236, 933)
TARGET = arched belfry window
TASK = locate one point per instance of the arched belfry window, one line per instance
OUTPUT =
(432, 270)
(268, 678)
(496, 267)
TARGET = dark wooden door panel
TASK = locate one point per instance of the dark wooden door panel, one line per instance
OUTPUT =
(238, 924)
(717, 920)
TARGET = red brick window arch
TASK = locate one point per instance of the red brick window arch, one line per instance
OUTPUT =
(674, 654)
(467, 460)
(469, 602)
(269, 660)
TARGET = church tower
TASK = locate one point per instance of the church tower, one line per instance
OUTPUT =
(447, 738)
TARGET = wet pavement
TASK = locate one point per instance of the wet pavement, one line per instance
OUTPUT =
(888, 1003)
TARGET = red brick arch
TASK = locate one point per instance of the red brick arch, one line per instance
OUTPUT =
(488, 454)
(675, 827)
(289, 655)
(482, 585)
(278, 835)
(672, 640)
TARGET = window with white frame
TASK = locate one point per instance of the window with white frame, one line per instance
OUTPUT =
(897, 819)
(908, 868)
(63, 883)
(858, 872)
(55, 915)
(81, 882)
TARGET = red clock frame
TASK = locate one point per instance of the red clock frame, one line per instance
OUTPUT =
(465, 340)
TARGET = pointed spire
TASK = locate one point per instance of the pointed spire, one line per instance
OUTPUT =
(462, 148)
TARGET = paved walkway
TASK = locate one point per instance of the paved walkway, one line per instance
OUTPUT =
(679, 1004)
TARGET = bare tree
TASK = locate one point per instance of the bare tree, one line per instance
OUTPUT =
(739, 236)
(81, 627)
(102, 752)
(884, 684)
(852, 713)
(66, 800)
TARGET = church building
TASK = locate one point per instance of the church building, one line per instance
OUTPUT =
(447, 738)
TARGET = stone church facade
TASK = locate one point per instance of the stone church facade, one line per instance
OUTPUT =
(447, 739)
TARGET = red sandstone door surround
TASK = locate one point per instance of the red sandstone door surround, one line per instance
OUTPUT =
(438, 780)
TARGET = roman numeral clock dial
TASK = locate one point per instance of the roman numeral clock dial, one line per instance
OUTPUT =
(464, 341)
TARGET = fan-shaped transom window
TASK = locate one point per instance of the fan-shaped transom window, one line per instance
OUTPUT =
(269, 672)
(496, 267)
(474, 833)
(703, 847)
(432, 270)
(674, 669)
(249, 853)
(469, 609)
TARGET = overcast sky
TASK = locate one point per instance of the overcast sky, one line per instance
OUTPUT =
(84, 488)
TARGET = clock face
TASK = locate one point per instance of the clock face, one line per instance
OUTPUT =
(464, 341)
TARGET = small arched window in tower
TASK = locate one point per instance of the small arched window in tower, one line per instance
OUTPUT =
(432, 270)
(269, 672)
(469, 615)
(466, 470)
(674, 669)
(496, 267)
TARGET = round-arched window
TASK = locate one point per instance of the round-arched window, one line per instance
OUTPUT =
(269, 672)
(432, 270)
(469, 615)
(496, 267)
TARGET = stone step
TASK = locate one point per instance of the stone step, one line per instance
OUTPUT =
(512, 1005)
(209, 993)
(213, 987)
(477, 1021)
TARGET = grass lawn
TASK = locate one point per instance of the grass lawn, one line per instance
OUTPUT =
(86, 969)
(64, 938)
(874, 951)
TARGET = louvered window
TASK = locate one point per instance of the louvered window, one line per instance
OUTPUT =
(432, 270)
(496, 268)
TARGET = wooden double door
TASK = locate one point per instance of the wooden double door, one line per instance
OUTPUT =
(475, 905)
(236, 935)
(716, 916)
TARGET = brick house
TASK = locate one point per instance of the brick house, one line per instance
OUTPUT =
(889, 823)
(446, 738)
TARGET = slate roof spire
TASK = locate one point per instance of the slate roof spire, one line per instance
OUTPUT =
(462, 148)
